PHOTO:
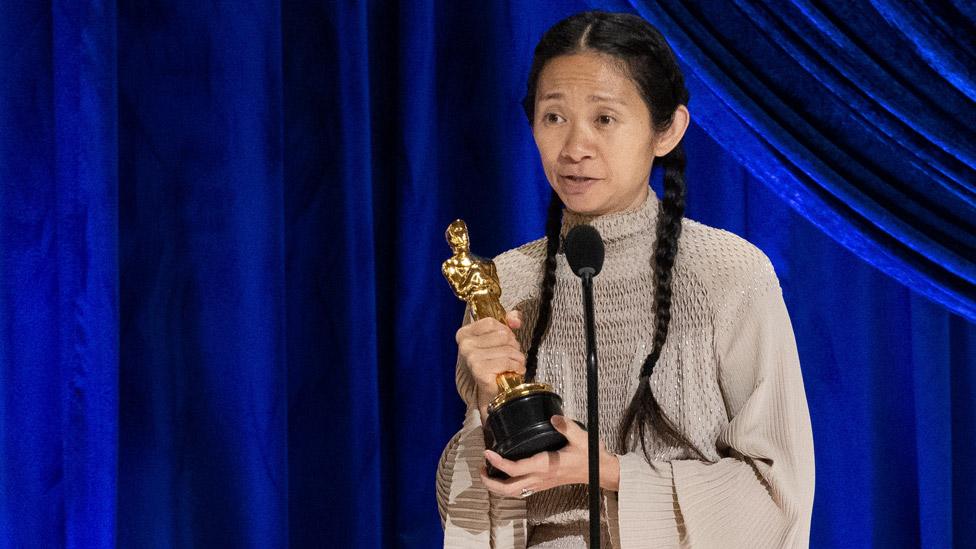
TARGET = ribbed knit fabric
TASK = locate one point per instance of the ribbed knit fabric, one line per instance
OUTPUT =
(728, 376)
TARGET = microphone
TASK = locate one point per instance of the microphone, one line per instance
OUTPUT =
(584, 251)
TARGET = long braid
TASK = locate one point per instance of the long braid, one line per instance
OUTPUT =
(644, 413)
(554, 221)
(671, 210)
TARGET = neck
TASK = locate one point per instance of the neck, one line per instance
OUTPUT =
(617, 226)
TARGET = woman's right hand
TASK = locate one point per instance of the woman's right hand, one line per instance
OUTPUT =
(489, 348)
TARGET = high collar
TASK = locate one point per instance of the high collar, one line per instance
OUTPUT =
(618, 227)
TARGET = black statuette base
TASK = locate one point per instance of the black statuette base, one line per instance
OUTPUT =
(522, 427)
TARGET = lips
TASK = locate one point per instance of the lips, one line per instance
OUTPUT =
(575, 184)
(578, 178)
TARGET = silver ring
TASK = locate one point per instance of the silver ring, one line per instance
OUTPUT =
(526, 492)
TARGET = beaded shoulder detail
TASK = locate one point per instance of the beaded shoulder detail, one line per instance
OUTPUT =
(727, 265)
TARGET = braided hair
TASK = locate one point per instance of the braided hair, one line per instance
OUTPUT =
(650, 63)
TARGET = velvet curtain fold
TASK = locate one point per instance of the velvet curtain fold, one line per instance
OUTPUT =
(59, 287)
(203, 379)
(222, 321)
(858, 116)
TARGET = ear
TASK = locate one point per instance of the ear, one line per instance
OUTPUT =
(669, 138)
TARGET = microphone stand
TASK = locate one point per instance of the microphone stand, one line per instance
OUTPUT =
(585, 254)
(592, 407)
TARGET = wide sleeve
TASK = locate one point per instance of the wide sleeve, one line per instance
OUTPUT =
(761, 494)
(471, 516)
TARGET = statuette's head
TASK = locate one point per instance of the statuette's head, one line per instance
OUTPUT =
(457, 236)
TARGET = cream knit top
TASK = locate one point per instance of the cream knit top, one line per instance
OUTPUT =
(728, 377)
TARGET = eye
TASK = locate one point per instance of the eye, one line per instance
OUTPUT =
(552, 118)
(605, 120)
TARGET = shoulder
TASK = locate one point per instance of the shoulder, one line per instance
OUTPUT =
(729, 267)
(520, 270)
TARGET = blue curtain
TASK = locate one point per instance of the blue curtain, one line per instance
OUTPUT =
(222, 321)
(203, 457)
(860, 116)
(59, 276)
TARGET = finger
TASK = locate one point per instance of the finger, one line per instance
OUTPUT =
(543, 463)
(506, 466)
(502, 337)
(471, 350)
(569, 429)
(493, 485)
(486, 362)
(485, 325)
(514, 319)
(486, 373)
(518, 468)
(517, 362)
(510, 487)
(476, 328)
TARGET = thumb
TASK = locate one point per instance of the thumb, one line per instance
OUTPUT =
(569, 429)
(514, 319)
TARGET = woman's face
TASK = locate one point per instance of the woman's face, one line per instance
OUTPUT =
(594, 134)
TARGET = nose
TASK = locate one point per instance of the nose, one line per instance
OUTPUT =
(578, 145)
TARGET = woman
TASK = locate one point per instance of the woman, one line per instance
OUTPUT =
(703, 418)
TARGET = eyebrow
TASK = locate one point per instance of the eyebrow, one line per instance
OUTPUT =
(591, 98)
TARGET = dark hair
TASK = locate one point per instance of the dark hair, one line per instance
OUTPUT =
(648, 61)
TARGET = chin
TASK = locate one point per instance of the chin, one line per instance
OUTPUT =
(584, 204)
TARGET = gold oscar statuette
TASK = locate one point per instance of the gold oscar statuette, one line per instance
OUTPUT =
(518, 420)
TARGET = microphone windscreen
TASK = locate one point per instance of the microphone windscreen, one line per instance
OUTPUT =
(584, 249)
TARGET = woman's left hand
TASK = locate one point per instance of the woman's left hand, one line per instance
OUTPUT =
(545, 470)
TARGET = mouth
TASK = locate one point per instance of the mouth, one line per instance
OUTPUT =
(577, 183)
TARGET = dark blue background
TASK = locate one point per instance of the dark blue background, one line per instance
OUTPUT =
(222, 321)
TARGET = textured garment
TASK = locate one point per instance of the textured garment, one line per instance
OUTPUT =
(728, 377)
